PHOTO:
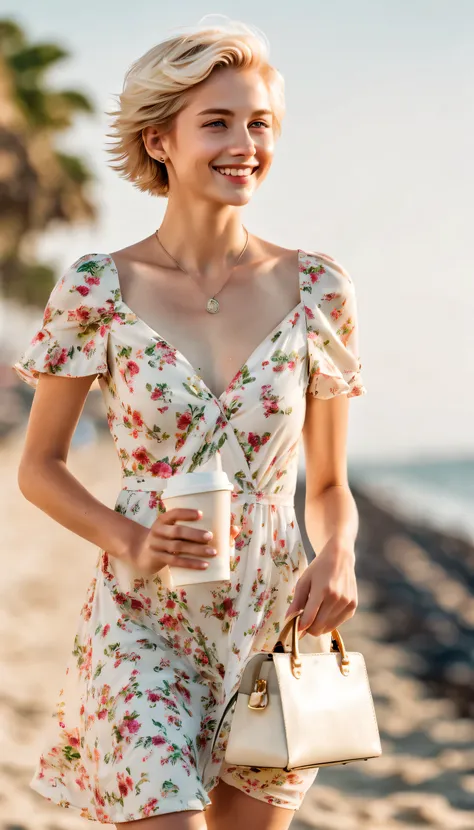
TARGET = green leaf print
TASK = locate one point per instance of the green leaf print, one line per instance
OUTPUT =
(169, 788)
(70, 754)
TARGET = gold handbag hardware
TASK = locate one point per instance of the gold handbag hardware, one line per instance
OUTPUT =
(258, 699)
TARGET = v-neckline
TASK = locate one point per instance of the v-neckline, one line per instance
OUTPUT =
(218, 398)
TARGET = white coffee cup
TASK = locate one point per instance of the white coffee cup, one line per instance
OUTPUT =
(209, 491)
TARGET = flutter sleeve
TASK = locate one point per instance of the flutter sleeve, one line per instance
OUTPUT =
(332, 328)
(71, 340)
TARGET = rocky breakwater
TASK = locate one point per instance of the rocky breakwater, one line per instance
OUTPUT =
(415, 627)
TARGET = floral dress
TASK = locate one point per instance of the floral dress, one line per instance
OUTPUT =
(152, 667)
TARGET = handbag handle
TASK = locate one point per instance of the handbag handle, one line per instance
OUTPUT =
(292, 623)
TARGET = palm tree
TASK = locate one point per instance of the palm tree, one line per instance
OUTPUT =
(38, 184)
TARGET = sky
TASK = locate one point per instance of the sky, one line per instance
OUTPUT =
(374, 167)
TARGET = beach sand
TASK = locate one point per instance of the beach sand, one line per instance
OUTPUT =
(425, 777)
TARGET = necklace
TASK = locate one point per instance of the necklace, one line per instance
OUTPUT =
(212, 305)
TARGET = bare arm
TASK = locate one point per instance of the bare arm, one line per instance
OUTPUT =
(326, 592)
(330, 509)
(43, 476)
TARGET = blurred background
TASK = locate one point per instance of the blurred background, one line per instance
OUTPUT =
(374, 167)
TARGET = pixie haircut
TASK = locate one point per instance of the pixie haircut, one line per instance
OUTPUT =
(157, 86)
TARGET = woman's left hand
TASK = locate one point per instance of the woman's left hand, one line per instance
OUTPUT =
(327, 591)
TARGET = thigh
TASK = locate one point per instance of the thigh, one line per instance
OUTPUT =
(187, 820)
(251, 808)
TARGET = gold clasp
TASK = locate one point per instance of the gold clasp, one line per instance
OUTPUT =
(259, 697)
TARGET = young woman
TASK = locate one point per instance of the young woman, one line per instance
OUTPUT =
(204, 337)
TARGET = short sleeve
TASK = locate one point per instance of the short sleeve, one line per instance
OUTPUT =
(332, 328)
(71, 340)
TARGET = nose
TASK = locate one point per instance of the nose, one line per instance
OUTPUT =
(242, 144)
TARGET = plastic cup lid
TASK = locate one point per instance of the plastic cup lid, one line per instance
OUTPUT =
(201, 481)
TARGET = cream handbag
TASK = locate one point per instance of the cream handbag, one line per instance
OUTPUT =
(296, 711)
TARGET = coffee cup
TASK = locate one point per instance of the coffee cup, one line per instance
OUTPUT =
(209, 491)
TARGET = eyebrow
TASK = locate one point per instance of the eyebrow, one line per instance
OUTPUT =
(222, 111)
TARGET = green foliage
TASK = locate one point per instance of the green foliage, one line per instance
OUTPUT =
(40, 185)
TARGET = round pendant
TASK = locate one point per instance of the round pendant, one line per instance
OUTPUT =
(212, 305)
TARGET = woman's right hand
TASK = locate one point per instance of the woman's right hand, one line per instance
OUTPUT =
(167, 542)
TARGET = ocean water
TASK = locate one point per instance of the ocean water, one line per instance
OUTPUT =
(439, 492)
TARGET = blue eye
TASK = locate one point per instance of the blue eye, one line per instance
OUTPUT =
(220, 121)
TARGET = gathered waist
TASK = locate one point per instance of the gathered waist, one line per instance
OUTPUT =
(151, 483)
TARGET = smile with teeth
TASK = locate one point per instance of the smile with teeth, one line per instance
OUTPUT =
(234, 171)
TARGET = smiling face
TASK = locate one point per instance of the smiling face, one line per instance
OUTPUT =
(226, 128)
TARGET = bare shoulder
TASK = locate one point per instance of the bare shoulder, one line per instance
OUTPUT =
(138, 252)
(126, 259)
(276, 253)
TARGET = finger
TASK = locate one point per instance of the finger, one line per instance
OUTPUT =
(235, 530)
(184, 514)
(180, 561)
(327, 620)
(178, 548)
(300, 598)
(183, 532)
(311, 609)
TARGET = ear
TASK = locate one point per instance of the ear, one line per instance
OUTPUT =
(153, 143)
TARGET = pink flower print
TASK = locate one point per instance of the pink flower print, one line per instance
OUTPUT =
(106, 630)
(170, 603)
(39, 337)
(58, 358)
(133, 367)
(202, 657)
(184, 420)
(153, 697)
(88, 347)
(91, 280)
(158, 740)
(161, 469)
(98, 798)
(183, 690)
(254, 440)
(102, 714)
(169, 622)
(150, 807)
(141, 455)
(309, 312)
(133, 726)
(125, 783)
(81, 314)
(137, 418)
(83, 290)
(336, 313)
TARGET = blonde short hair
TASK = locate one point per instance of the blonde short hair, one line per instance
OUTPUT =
(156, 86)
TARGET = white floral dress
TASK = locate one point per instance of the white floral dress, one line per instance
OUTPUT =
(152, 667)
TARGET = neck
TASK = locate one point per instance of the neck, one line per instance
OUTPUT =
(204, 245)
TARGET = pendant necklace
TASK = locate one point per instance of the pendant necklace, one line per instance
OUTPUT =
(212, 305)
